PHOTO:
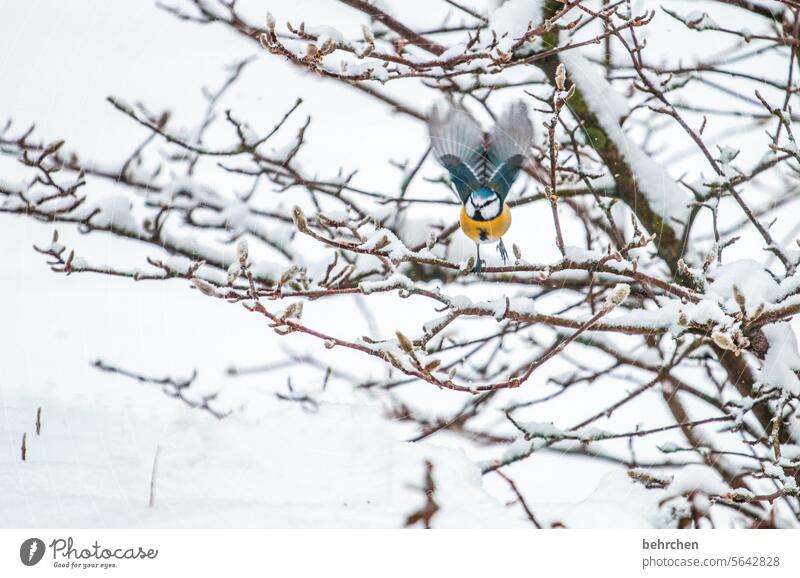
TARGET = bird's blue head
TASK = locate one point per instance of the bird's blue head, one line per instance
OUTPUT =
(483, 204)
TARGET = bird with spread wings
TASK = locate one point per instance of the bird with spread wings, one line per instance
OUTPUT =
(482, 167)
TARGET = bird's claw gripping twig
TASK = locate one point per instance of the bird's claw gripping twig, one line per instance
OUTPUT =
(501, 248)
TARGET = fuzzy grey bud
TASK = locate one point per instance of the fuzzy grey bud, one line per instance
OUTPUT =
(204, 286)
(617, 296)
(724, 341)
(242, 251)
(299, 219)
(405, 343)
(561, 77)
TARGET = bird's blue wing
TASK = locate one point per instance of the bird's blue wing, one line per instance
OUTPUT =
(505, 175)
(461, 175)
(458, 142)
(509, 142)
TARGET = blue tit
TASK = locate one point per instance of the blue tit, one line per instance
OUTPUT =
(482, 168)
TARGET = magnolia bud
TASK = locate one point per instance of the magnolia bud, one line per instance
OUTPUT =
(233, 272)
(711, 256)
(204, 286)
(617, 296)
(367, 33)
(405, 343)
(739, 297)
(468, 265)
(431, 242)
(241, 251)
(299, 219)
(561, 76)
(433, 364)
(293, 311)
(724, 341)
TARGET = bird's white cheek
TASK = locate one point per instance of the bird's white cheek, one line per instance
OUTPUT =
(471, 210)
(491, 209)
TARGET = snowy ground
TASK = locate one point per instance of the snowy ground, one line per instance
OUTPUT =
(344, 466)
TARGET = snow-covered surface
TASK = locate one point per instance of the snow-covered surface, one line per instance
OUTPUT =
(696, 478)
(663, 193)
(343, 466)
(616, 502)
(513, 18)
(782, 361)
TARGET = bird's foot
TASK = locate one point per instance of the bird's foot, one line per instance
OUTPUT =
(478, 263)
(501, 248)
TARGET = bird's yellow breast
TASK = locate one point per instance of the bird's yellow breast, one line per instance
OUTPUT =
(486, 231)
